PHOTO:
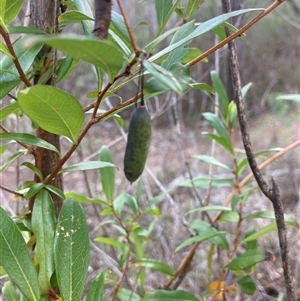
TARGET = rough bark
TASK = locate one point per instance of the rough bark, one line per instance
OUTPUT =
(43, 16)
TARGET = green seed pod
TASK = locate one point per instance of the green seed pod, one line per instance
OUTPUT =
(138, 141)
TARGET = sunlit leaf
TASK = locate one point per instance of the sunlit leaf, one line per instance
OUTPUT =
(54, 110)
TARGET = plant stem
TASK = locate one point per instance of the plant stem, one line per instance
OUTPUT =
(6, 38)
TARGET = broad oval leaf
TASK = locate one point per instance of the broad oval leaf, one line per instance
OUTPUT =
(15, 258)
(53, 110)
(177, 295)
(11, 10)
(43, 227)
(71, 250)
(95, 51)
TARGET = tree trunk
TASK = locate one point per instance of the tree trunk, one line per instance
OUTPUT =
(43, 16)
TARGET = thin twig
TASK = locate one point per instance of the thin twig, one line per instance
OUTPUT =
(6, 38)
(272, 193)
(236, 34)
(11, 191)
(136, 48)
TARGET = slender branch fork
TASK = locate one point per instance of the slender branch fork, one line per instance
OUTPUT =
(6, 38)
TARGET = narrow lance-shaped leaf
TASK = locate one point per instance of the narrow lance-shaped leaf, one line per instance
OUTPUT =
(53, 110)
(28, 139)
(177, 295)
(96, 288)
(71, 250)
(107, 174)
(90, 165)
(15, 258)
(43, 227)
(201, 29)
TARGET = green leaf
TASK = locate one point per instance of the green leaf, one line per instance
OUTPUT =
(36, 171)
(96, 288)
(201, 226)
(53, 110)
(73, 16)
(95, 51)
(29, 139)
(6, 111)
(202, 87)
(193, 5)
(107, 174)
(162, 9)
(126, 295)
(192, 54)
(9, 77)
(153, 264)
(201, 29)
(154, 43)
(71, 250)
(219, 88)
(87, 166)
(209, 208)
(55, 190)
(179, 53)
(230, 216)
(198, 238)
(108, 241)
(203, 182)
(11, 10)
(247, 260)
(43, 227)
(84, 199)
(216, 123)
(65, 68)
(119, 202)
(34, 189)
(265, 230)
(84, 7)
(245, 90)
(292, 97)
(247, 285)
(118, 26)
(177, 295)
(9, 291)
(164, 77)
(212, 160)
(270, 214)
(12, 158)
(15, 258)
(25, 29)
(4, 49)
